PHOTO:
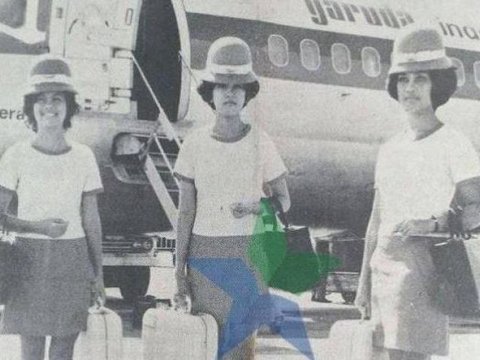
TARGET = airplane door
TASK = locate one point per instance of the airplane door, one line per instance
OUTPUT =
(184, 57)
(97, 37)
(163, 52)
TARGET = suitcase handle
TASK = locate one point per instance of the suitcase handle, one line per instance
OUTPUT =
(98, 309)
(365, 315)
(186, 310)
(451, 240)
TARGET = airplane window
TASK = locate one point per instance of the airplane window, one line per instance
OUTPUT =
(371, 62)
(310, 54)
(12, 12)
(460, 71)
(278, 50)
(476, 72)
(342, 63)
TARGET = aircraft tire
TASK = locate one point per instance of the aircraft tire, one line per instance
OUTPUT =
(134, 282)
(349, 296)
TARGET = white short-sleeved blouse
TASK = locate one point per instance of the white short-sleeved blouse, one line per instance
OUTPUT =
(225, 173)
(50, 185)
(417, 178)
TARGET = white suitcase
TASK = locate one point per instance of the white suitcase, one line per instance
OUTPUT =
(351, 340)
(169, 334)
(103, 338)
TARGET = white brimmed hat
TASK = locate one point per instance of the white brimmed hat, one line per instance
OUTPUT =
(419, 49)
(50, 73)
(229, 60)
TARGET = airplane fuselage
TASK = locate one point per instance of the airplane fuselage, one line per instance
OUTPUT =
(322, 67)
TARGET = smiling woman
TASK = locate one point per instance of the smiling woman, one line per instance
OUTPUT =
(46, 106)
(417, 174)
(56, 182)
(48, 109)
(223, 170)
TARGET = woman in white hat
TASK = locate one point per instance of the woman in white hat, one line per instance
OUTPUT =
(58, 226)
(223, 171)
(417, 174)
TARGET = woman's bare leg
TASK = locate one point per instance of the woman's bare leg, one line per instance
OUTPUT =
(244, 351)
(61, 348)
(406, 355)
(33, 347)
(416, 356)
(394, 354)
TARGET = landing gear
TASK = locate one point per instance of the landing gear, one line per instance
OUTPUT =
(349, 296)
(134, 282)
(320, 291)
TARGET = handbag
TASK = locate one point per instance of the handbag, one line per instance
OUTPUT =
(456, 289)
(457, 270)
(285, 256)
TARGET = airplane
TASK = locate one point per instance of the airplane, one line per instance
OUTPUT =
(322, 66)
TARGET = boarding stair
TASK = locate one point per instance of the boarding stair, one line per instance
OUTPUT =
(159, 156)
(158, 160)
(150, 161)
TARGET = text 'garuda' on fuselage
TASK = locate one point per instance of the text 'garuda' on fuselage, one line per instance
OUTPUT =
(323, 11)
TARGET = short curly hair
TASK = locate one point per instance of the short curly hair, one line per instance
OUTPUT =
(444, 84)
(72, 109)
(205, 89)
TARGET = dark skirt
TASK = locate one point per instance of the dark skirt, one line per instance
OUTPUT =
(222, 301)
(53, 293)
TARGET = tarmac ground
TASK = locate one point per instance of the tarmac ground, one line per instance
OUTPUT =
(317, 317)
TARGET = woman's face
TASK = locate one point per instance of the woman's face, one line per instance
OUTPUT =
(414, 91)
(228, 99)
(50, 110)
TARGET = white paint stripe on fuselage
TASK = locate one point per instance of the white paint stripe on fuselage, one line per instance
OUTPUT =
(334, 113)
(459, 23)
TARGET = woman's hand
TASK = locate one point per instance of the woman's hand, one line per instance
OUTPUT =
(414, 227)
(52, 227)
(363, 303)
(241, 209)
(98, 291)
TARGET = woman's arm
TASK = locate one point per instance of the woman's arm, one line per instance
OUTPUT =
(93, 233)
(363, 298)
(278, 189)
(186, 219)
(53, 227)
(468, 197)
